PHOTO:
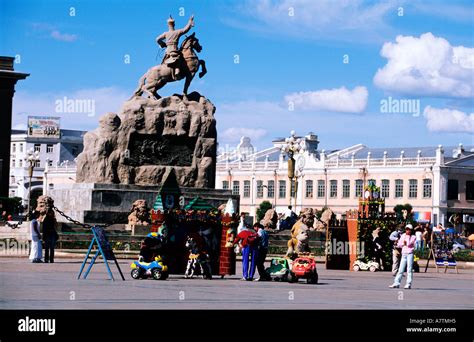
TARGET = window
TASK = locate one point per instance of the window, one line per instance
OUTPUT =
(333, 188)
(246, 188)
(321, 189)
(13, 148)
(225, 184)
(50, 163)
(12, 180)
(398, 188)
(20, 162)
(385, 188)
(236, 188)
(309, 189)
(37, 163)
(293, 190)
(282, 189)
(359, 185)
(371, 182)
(21, 147)
(453, 189)
(13, 163)
(427, 186)
(259, 189)
(412, 188)
(470, 190)
(271, 189)
(346, 188)
(49, 148)
(37, 148)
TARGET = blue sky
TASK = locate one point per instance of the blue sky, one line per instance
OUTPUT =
(291, 72)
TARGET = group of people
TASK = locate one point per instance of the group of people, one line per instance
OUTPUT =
(253, 242)
(43, 234)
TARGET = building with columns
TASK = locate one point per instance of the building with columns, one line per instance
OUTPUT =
(53, 153)
(437, 181)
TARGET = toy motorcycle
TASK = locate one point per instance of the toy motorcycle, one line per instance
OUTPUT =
(155, 269)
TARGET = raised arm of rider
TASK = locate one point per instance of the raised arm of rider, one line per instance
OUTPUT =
(188, 26)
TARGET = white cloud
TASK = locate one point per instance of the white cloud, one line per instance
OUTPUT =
(448, 120)
(50, 31)
(334, 100)
(322, 19)
(427, 66)
(65, 37)
(234, 134)
(106, 99)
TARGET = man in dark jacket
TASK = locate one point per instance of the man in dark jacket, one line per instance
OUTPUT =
(50, 236)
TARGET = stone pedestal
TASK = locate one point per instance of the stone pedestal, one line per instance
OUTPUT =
(102, 203)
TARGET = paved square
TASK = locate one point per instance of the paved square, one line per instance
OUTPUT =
(54, 286)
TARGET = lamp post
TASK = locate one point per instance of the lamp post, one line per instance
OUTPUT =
(33, 157)
(291, 147)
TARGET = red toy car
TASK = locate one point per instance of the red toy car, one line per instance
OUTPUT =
(304, 267)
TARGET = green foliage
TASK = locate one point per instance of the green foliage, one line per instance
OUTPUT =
(262, 209)
(12, 205)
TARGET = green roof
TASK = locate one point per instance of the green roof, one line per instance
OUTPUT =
(198, 204)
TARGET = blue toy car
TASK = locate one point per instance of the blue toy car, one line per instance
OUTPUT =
(154, 269)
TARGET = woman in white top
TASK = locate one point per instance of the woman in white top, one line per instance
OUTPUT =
(419, 238)
(36, 247)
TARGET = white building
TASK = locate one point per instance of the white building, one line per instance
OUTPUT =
(53, 153)
(436, 181)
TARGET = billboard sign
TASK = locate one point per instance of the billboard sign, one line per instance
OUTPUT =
(44, 127)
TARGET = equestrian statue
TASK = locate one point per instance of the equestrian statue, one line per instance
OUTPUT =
(178, 63)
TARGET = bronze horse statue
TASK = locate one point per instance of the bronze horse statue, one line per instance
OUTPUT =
(156, 77)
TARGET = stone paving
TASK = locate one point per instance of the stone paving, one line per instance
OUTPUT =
(54, 286)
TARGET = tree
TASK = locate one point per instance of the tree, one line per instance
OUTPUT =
(262, 210)
(12, 205)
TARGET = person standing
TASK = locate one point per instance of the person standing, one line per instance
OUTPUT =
(379, 253)
(50, 236)
(407, 243)
(248, 242)
(426, 237)
(241, 225)
(36, 253)
(262, 252)
(396, 252)
(419, 240)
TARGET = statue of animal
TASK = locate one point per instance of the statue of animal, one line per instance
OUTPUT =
(159, 75)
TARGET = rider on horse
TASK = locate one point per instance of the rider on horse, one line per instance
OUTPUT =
(172, 56)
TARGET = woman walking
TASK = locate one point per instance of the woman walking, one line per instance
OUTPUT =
(407, 244)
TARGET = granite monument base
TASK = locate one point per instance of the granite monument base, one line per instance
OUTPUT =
(94, 203)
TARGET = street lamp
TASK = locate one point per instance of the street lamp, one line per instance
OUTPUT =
(33, 157)
(291, 147)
